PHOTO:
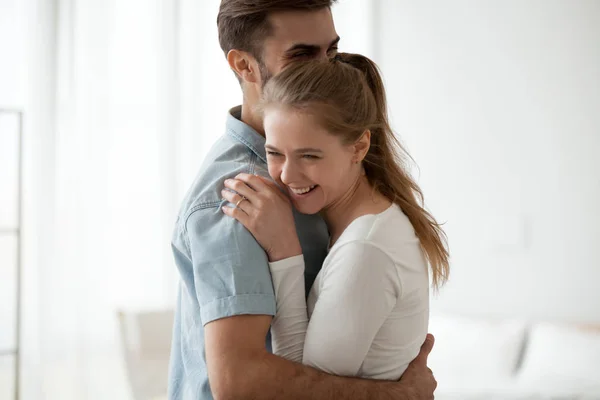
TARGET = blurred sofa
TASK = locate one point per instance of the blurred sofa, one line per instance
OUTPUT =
(474, 358)
(146, 347)
(484, 358)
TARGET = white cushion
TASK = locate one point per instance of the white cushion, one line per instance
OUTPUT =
(564, 358)
(475, 349)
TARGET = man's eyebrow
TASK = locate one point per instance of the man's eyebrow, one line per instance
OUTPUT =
(311, 47)
(303, 46)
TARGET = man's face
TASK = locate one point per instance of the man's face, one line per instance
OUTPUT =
(297, 36)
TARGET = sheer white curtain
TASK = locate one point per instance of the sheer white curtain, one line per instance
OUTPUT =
(125, 98)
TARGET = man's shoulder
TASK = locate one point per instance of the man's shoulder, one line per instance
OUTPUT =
(227, 158)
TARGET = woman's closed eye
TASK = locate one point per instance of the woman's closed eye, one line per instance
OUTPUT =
(305, 156)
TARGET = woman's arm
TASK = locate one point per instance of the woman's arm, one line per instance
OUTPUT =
(359, 290)
(267, 214)
(289, 325)
(360, 287)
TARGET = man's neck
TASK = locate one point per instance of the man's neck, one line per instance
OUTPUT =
(249, 117)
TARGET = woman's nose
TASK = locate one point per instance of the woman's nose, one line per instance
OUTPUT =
(288, 172)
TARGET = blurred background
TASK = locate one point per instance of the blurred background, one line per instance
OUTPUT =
(115, 104)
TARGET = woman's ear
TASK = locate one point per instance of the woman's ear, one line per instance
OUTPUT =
(244, 65)
(362, 146)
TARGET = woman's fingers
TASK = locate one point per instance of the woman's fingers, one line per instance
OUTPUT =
(240, 202)
(241, 188)
(254, 187)
(253, 181)
(274, 187)
(262, 185)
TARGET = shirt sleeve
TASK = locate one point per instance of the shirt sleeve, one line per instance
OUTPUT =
(230, 269)
(288, 328)
(359, 290)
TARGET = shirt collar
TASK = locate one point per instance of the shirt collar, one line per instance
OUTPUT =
(245, 134)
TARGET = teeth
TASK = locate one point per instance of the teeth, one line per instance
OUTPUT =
(304, 190)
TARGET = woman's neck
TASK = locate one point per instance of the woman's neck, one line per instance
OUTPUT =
(359, 200)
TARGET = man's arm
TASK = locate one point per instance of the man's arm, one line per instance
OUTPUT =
(239, 367)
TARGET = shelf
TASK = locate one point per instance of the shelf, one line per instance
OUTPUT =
(8, 229)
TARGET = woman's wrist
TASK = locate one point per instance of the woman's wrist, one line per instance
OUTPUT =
(287, 251)
(285, 264)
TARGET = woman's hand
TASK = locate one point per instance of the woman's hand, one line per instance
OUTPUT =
(266, 212)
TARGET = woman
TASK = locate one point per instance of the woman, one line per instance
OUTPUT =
(330, 148)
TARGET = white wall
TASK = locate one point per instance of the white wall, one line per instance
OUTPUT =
(355, 23)
(499, 103)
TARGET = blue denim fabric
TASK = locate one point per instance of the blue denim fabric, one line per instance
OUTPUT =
(224, 271)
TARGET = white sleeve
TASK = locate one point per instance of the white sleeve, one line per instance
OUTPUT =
(288, 327)
(359, 290)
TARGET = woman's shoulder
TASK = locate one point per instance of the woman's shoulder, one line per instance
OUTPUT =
(389, 233)
(391, 227)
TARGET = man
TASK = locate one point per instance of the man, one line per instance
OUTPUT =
(226, 302)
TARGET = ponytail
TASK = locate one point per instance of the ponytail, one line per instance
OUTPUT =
(385, 167)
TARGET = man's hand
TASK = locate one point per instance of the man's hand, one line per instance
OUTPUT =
(418, 378)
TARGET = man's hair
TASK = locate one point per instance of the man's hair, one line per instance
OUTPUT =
(243, 24)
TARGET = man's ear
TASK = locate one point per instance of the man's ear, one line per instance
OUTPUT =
(244, 65)
(362, 146)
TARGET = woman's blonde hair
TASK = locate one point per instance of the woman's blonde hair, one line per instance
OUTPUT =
(347, 96)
